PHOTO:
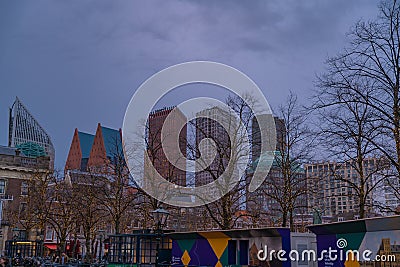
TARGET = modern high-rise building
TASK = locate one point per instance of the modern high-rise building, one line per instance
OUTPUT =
(26, 134)
(329, 189)
(391, 194)
(267, 198)
(267, 202)
(256, 136)
(157, 143)
(208, 126)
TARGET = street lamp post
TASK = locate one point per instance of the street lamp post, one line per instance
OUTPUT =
(15, 233)
(101, 235)
(160, 216)
(39, 242)
(18, 234)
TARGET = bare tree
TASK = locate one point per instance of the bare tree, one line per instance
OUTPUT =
(119, 193)
(86, 191)
(35, 202)
(62, 213)
(349, 129)
(367, 73)
(286, 183)
(231, 142)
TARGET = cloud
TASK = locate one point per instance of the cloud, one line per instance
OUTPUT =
(75, 63)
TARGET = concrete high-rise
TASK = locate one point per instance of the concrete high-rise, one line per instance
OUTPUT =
(266, 199)
(256, 137)
(208, 126)
(332, 187)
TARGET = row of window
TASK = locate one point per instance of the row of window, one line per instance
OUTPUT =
(24, 187)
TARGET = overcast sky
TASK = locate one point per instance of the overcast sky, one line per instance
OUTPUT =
(75, 63)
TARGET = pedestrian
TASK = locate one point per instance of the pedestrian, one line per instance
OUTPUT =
(4, 262)
(54, 259)
(64, 258)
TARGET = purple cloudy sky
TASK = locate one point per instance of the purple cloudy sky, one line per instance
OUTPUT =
(75, 63)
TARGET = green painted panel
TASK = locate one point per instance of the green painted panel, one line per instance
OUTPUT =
(186, 244)
(353, 239)
(224, 257)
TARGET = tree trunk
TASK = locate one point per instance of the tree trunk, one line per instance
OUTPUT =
(284, 219)
(117, 225)
(291, 221)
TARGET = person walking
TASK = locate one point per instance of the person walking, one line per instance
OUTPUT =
(64, 259)
(4, 262)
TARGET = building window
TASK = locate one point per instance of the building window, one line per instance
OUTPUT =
(49, 233)
(300, 249)
(2, 186)
(24, 188)
(22, 209)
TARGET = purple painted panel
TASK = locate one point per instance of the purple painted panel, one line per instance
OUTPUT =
(202, 254)
(324, 242)
(176, 253)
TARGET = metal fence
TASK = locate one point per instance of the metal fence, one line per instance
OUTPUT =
(139, 249)
(24, 248)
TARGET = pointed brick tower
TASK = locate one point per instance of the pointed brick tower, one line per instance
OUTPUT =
(98, 155)
(75, 153)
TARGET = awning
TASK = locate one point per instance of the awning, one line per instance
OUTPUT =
(51, 246)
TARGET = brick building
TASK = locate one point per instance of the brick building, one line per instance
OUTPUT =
(94, 152)
(16, 170)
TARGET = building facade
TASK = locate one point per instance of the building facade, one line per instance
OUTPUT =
(94, 152)
(208, 125)
(332, 188)
(16, 171)
(161, 134)
(96, 164)
(280, 130)
(391, 193)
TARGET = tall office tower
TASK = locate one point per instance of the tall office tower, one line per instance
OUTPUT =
(209, 127)
(157, 143)
(266, 203)
(256, 137)
(26, 134)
